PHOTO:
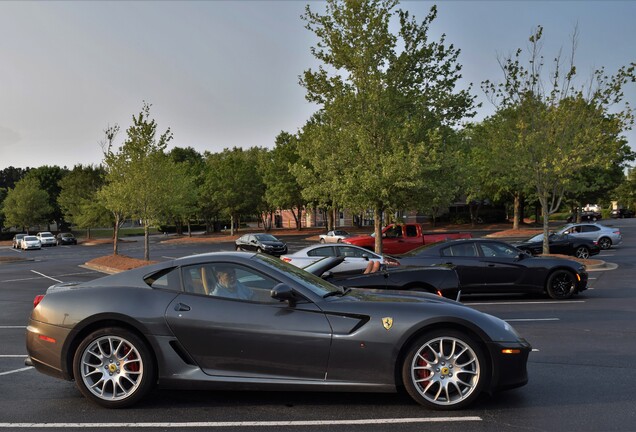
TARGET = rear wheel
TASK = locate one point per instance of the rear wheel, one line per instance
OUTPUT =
(322, 240)
(113, 367)
(444, 370)
(582, 252)
(561, 285)
(605, 243)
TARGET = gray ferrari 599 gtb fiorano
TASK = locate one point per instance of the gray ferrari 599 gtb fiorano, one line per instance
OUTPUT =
(236, 320)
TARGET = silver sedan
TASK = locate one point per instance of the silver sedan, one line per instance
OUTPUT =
(604, 236)
(357, 259)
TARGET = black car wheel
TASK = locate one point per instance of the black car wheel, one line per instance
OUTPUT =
(561, 285)
(113, 367)
(605, 243)
(322, 240)
(582, 252)
(444, 370)
(238, 248)
(259, 250)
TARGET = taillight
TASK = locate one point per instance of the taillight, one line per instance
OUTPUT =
(37, 300)
(286, 259)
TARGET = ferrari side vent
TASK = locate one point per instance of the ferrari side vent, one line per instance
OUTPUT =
(181, 352)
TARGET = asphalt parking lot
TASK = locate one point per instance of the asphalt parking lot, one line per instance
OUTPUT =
(581, 372)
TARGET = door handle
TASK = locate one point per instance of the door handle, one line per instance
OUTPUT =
(491, 265)
(180, 307)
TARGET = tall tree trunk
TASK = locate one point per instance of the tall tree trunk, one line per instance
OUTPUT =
(189, 229)
(516, 213)
(232, 225)
(377, 229)
(116, 234)
(546, 226)
(146, 241)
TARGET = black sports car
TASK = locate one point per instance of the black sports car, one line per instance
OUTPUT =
(491, 266)
(440, 280)
(563, 244)
(247, 321)
(261, 243)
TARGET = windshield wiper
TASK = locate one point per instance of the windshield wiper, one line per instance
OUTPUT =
(344, 292)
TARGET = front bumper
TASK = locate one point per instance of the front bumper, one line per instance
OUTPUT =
(509, 364)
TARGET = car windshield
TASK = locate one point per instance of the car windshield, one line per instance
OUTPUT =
(538, 237)
(67, 235)
(30, 238)
(265, 237)
(308, 280)
(46, 235)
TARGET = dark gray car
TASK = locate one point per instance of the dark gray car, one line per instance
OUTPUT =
(241, 320)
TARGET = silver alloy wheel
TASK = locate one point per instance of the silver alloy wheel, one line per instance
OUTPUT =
(445, 371)
(111, 368)
(605, 243)
(582, 252)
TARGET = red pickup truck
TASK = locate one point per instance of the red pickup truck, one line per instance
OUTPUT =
(397, 239)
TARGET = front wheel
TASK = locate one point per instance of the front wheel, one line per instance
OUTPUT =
(445, 370)
(561, 285)
(322, 240)
(113, 367)
(605, 243)
(238, 249)
(582, 252)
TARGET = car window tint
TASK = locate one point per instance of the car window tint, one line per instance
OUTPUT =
(165, 279)
(590, 228)
(460, 250)
(348, 251)
(498, 250)
(411, 231)
(321, 252)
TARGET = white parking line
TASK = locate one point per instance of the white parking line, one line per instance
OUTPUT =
(48, 277)
(527, 302)
(17, 370)
(13, 356)
(12, 327)
(243, 424)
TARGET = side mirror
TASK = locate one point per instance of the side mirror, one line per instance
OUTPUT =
(326, 275)
(283, 292)
(366, 257)
(522, 255)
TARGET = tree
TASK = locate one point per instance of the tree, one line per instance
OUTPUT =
(232, 183)
(281, 186)
(382, 97)
(78, 198)
(27, 204)
(561, 129)
(133, 173)
(49, 178)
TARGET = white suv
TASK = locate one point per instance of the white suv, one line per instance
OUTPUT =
(46, 238)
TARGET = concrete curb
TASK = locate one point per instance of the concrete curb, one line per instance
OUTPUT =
(101, 269)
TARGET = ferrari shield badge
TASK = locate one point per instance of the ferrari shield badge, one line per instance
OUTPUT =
(387, 322)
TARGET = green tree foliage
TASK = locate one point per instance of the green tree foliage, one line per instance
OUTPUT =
(561, 129)
(134, 176)
(26, 205)
(49, 178)
(282, 190)
(625, 192)
(383, 97)
(232, 183)
(189, 177)
(78, 198)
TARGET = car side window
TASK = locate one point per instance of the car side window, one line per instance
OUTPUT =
(348, 251)
(460, 250)
(590, 228)
(321, 252)
(411, 231)
(498, 250)
(167, 279)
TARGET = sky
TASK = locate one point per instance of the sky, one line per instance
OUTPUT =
(224, 74)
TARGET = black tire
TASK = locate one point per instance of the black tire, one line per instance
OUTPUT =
(582, 252)
(259, 250)
(424, 375)
(561, 285)
(238, 248)
(605, 243)
(322, 240)
(114, 368)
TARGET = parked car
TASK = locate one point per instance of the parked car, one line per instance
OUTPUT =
(262, 243)
(621, 213)
(17, 240)
(604, 236)
(586, 216)
(296, 331)
(46, 238)
(440, 280)
(65, 239)
(492, 267)
(563, 244)
(356, 259)
(334, 236)
(30, 242)
(400, 238)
